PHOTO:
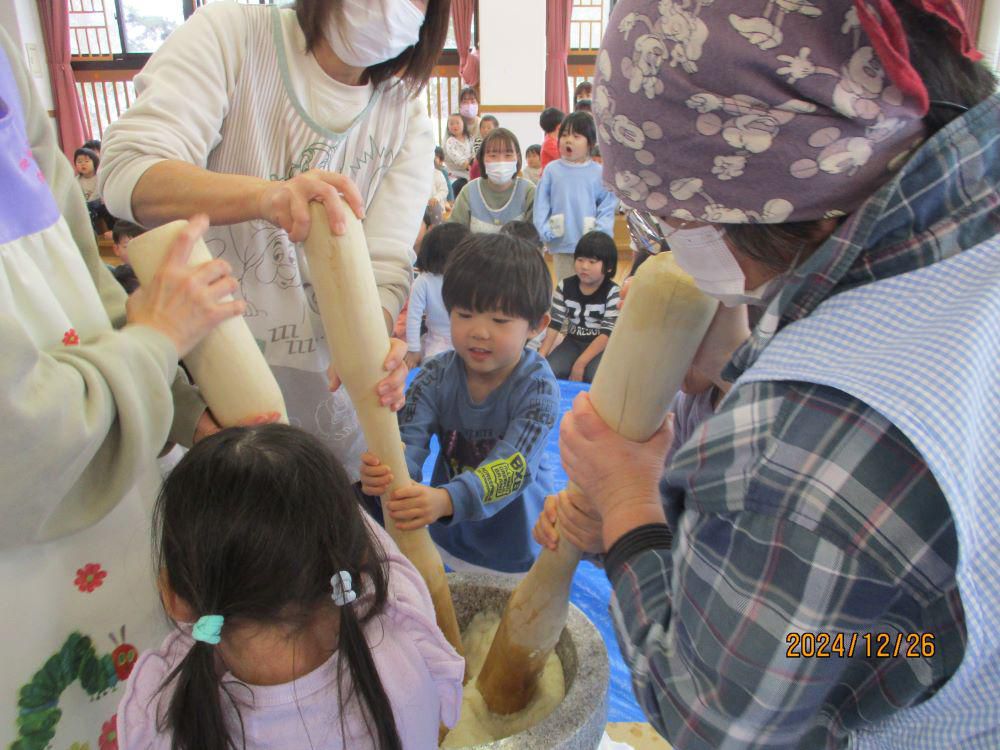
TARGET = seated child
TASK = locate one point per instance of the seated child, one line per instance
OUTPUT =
(492, 406)
(526, 231)
(458, 152)
(440, 167)
(571, 198)
(121, 233)
(86, 163)
(584, 308)
(486, 204)
(487, 124)
(533, 163)
(299, 622)
(425, 295)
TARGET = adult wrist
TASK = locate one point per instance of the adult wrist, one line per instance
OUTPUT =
(625, 517)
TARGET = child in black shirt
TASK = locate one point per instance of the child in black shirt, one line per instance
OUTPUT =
(584, 310)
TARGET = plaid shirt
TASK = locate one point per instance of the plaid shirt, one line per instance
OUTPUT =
(799, 510)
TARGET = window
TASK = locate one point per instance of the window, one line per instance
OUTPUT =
(93, 28)
(586, 26)
(148, 23)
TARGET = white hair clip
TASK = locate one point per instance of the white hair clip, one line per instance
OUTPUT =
(343, 594)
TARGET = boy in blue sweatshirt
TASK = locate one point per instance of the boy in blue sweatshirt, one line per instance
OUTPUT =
(492, 405)
(571, 200)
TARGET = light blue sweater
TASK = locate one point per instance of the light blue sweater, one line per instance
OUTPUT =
(576, 192)
(492, 459)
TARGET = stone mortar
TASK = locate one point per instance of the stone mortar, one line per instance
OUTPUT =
(578, 722)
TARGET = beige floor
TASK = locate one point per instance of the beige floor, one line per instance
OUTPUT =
(641, 736)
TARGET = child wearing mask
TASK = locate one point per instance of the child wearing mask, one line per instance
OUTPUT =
(488, 203)
(468, 106)
(571, 198)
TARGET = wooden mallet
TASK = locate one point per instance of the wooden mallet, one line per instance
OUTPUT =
(227, 365)
(341, 272)
(651, 348)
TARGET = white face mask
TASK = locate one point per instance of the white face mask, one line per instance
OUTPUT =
(469, 109)
(501, 172)
(703, 254)
(373, 35)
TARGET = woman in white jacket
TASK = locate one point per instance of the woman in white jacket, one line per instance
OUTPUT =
(248, 113)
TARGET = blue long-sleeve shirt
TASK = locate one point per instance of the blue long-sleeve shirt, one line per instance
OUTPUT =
(576, 192)
(492, 460)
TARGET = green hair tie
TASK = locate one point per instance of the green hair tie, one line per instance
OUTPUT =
(208, 629)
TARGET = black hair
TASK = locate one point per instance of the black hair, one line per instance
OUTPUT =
(465, 125)
(550, 119)
(954, 83)
(580, 123)
(252, 524)
(489, 118)
(90, 154)
(583, 105)
(489, 272)
(599, 246)
(413, 66)
(534, 148)
(581, 88)
(505, 138)
(439, 152)
(93, 144)
(526, 231)
(437, 245)
(124, 228)
(467, 91)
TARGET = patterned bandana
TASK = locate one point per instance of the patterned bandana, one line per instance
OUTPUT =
(757, 111)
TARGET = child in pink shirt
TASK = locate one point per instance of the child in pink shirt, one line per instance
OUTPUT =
(310, 629)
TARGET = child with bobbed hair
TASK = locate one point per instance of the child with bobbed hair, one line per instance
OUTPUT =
(489, 202)
(571, 198)
(584, 310)
(426, 301)
(307, 626)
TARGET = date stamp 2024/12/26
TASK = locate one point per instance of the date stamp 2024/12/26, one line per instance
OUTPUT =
(806, 645)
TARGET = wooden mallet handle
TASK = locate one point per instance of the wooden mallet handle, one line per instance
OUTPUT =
(227, 366)
(651, 348)
(341, 272)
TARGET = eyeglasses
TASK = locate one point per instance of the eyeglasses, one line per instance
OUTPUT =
(645, 231)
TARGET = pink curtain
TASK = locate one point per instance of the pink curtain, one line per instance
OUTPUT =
(973, 10)
(470, 71)
(557, 17)
(462, 12)
(55, 29)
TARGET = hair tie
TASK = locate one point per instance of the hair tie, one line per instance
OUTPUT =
(208, 629)
(343, 594)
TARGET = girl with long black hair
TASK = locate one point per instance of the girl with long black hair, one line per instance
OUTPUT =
(301, 610)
